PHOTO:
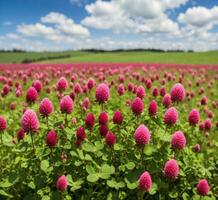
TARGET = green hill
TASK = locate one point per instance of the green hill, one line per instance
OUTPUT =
(210, 57)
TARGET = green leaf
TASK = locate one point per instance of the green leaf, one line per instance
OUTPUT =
(93, 177)
(153, 189)
(105, 168)
(148, 150)
(5, 183)
(90, 169)
(89, 147)
(122, 168)
(209, 198)
(185, 196)
(132, 185)
(69, 180)
(3, 193)
(99, 145)
(111, 183)
(110, 196)
(130, 165)
(77, 185)
(73, 154)
(104, 175)
(106, 171)
(120, 184)
(122, 195)
(77, 163)
(115, 184)
(46, 197)
(88, 157)
(165, 137)
(32, 185)
(118, 147)
(80, 153)
(196, 197)
(173, 194)
(44, 165)
(181, 173)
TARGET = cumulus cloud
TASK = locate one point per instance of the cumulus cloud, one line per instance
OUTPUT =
(37, 29)
(147, 8)
(12, 36)
(107, 15)
(200, 17)
(65, 25)
(197, 25)
(132, 16)
(54, 26)
(131, 24)
(109, 43)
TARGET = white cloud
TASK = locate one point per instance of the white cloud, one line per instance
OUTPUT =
(171, 4)
(163, 25)
(132, 16)
(65, 25)
(12, 36)
(197, 25)
(107, 15)
(200, 17)
(55, 27)
(141, 8)
(197, 42)
(137, 24)
(147, 8)
(37, 29)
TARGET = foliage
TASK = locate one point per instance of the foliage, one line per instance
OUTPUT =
(93, 169)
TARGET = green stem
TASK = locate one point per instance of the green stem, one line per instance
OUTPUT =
(1, 133)
(91, 136)
(102, 107)
(51, 153)
(66, 122)
(138, 120)
(142, 157)
(112, 155)
(47, 122)
(62, 196)
(119, 132)
(31, 134)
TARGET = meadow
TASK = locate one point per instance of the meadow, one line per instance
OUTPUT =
(210, 57)
(108, 131)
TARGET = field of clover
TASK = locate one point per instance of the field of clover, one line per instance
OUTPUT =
(108, 132)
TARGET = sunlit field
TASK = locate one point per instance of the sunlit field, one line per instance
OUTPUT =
(108, 131)
(210, 57)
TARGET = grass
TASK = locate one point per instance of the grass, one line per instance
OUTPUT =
(210, 57)
(17, 57)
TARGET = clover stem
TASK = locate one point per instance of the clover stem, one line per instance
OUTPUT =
(51, 153)
(31, 134)
(66, 122)
(112, 154)
(142, 152)
(102, 107)
(47, 122)
(1, 133)
(91, 135)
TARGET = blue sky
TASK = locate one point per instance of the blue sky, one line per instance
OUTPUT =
(108, 24)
